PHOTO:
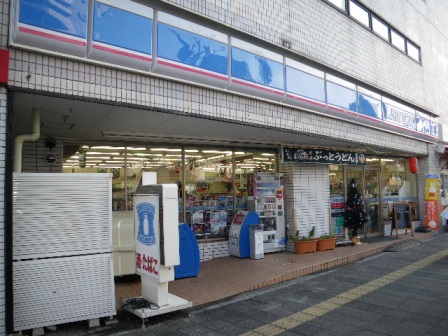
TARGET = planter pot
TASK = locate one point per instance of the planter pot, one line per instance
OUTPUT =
(308, 246)
(326, 244)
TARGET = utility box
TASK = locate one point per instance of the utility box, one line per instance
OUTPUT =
(256, 241)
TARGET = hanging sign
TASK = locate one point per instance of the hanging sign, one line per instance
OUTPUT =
(310, 155)
(147, 235)
(431, 197)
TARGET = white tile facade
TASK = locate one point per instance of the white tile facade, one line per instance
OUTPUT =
(307, 28)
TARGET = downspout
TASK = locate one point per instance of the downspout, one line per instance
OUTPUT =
(20, 139)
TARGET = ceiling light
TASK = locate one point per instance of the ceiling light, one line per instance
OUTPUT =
(103, 153)
(267, 154)
(106, 147)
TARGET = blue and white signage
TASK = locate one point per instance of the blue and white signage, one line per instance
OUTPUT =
(398, 115)
(147, 235)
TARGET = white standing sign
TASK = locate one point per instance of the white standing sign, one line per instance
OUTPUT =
(147, 235)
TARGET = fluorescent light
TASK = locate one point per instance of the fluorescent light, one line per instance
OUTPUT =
(267, 154)
(103, 153)
(240, 153)
(106, 147)
(98, 157)
(191, 151)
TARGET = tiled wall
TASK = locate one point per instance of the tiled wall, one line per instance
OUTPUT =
(4, 20)
(213, 250)
(33, 157)
(50, 73)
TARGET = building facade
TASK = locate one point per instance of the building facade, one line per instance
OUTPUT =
(208, 94)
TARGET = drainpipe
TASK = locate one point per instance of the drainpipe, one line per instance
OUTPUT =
(20, 139)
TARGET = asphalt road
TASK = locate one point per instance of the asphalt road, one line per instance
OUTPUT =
(404, 292)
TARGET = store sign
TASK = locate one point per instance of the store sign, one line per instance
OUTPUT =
(307, 155)
(398, 117)
(147, 235)
(431, 197)
(4, 66)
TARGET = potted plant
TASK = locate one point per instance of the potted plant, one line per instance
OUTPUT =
(304, 244)
(326, 242)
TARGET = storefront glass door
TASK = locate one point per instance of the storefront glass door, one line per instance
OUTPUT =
(368, 183)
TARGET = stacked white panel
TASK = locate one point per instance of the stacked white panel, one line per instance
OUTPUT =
(61, 290)
(61, 215)
(307, 191)
(62, 244)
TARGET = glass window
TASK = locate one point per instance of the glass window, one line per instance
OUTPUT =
(399, 185)
(339, 3)
(215, 181)
(256, 69)
(380, 28)
(369, 106)
(304, 84)
(397, 40)
(185, 47)
(359, 13)
(341, 96)
(413, 51)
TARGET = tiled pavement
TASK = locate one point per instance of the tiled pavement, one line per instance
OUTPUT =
(225, 277)
(228, 276)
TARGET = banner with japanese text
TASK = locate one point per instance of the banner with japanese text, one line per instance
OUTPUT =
(311, 155)
(431, 199)
(147, 235)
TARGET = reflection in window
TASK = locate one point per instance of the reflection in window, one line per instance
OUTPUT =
(304, 84)
(359, 13)
(397, 40)
(185, 47)
(257, 69)
(399, 185)
(369, 106)
(380, 28)
(341, 96)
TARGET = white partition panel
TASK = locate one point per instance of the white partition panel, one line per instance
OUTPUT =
(61, 290)
(61, 215)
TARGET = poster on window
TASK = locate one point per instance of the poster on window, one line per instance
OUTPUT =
(147, 234)
(431, 197)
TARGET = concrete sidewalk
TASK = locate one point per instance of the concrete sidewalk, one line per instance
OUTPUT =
(225, 277)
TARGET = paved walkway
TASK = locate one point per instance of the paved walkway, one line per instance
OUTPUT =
(225, 277)
(222, 278)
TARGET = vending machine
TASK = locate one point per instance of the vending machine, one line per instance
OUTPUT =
(265, 196)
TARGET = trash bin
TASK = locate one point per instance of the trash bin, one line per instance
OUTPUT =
(256, 241)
